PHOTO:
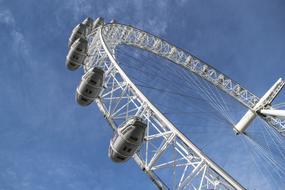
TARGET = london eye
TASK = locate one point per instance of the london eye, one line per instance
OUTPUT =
(143, 130)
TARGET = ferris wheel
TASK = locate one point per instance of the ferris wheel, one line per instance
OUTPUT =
(141, 131)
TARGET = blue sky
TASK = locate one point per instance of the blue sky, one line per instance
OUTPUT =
(47, 141)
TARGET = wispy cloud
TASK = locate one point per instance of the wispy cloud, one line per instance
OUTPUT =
(156, 23)
(79, 7)
(155, 26)
(19, 52)
(153, 19)
(181, 2)
(6, 17)
(19, 43)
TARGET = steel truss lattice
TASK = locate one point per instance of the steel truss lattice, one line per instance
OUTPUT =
(116, 34)
(188, 167)
(168, 157)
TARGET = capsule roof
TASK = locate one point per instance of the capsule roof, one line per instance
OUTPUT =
(99, 21)
(80, 41)
(113, 21)
(77, 32)
(88, 21)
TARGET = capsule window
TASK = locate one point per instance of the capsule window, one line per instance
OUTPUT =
(75, 57)
(88, 91)
(129, 150)
(79, 49)
(134, 138)
(84, 99)
(94, 82)
(125, 148)
(121, 158)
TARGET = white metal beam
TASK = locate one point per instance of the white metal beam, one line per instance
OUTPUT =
(166, 123)
(275, 113)
(250, 115)
(121, 99)
(124, 34)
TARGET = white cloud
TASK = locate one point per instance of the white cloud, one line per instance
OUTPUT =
(112, 11)
(157, 23)
(6, 17)
(181, 2)
(138, 11)
(75, 9)
(19, 44)
(155, 26)
(78, 7)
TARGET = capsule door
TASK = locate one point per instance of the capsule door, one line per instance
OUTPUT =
(90, 86)
(77, 54)
(127, 140)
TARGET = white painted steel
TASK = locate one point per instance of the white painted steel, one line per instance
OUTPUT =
(124, 34)
(266, 100)
(269, 95)
(121, 99)
(245, 121)
(275, 113)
